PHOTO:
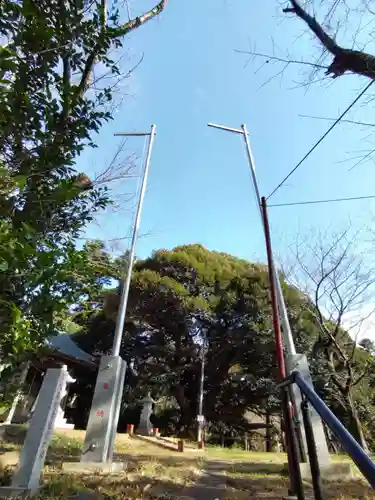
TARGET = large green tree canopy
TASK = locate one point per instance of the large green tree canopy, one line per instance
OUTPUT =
(191, 297)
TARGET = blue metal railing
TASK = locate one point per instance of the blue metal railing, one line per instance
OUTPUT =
(354, 450)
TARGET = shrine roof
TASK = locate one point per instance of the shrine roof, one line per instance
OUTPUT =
(64, 344)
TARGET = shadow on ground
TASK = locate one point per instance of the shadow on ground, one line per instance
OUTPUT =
(146, 488)
(13, 434)
(170, 476)
(163, 444)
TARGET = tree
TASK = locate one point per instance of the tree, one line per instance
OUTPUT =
(95, 277)
(339, 33)
(338, 284)
(334, 18)
(50, 110)
(344, 59)
(179, 297)
(368, 345)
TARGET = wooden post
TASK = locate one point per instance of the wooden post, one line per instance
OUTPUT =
(268, 432)
(180, 445)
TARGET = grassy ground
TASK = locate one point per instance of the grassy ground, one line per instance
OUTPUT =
(153, 472)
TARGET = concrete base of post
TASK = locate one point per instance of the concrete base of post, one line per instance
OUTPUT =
(94, 467)
(331, 472)
(299, 362)
(105, 408)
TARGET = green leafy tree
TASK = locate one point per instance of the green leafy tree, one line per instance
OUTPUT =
(183, 298)
(50, 110)
(187, 296)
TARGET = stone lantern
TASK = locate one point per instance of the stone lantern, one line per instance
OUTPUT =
(145, 426)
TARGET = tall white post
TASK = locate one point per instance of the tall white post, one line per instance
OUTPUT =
(200, 417)
(293, 360)
(287, 333)
(125, 291)
(105, 409)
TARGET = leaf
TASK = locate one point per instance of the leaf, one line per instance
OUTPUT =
(3, 265)
(42, 271)
(21, 180)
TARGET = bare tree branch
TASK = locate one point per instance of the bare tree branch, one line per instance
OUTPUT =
(138, 21)
(353, 122)
(269, 58)
(66, 77)
(344, 60)
(312, 23)
(337, 281)
(118, 168)
(116, 33)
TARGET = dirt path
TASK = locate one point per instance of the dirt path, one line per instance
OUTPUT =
(215, 481)
(209, 485)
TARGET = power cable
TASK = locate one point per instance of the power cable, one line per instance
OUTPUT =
(312, 202)
(128, 9)
(322, 138)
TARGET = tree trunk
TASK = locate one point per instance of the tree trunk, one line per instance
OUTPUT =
(357, 426)
(186, 420)
(331, 440)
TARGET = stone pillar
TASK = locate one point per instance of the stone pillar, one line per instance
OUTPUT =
(60, 422)
(18, 396)
(26, 478)
(145, 426)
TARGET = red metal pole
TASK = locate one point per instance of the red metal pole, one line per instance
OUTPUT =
(275, 313)
(293, 461)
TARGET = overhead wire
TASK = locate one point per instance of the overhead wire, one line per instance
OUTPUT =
(313, 202)
(128, 9)
(336, 122)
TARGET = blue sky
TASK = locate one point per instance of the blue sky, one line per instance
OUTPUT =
(199, 187)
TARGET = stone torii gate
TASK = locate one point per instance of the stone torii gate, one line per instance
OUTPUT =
(47, 410)
(60, 350)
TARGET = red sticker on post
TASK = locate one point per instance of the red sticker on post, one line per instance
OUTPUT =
(105, 386)
(100, 413)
